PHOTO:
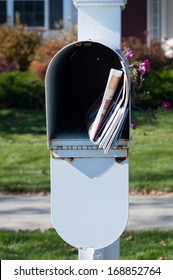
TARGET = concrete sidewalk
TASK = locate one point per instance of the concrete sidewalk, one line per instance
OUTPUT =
(30, 212)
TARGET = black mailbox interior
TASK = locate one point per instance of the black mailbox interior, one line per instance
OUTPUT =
(76, 77)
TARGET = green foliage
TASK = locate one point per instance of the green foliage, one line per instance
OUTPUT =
(21, 90)
(156, 88)
(17, 46)
(157, 82)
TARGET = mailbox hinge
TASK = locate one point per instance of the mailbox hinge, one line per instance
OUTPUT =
(85, 148)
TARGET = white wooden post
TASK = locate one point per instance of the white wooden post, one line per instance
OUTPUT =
(89, 189)
(100, 21)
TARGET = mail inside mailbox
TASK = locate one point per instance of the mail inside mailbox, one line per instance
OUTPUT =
(76, 78)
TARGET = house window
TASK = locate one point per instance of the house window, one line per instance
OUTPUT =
(3, 11)
(31, 12)
(56, 16)
(156, 20)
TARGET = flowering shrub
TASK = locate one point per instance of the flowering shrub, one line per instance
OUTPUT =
(44, 54)
(137, 71)
(159, 84)
(137, 68)
(49, 48)
(154, 52)
(17, 46)
(133, 125)
(166, 105)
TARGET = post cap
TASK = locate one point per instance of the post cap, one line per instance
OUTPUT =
(86, 3)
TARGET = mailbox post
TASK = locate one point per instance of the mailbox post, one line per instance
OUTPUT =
(89, 189)
(100, 21)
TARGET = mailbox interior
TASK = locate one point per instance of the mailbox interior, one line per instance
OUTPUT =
(76, 77)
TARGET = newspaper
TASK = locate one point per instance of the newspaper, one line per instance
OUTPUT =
(106, 117)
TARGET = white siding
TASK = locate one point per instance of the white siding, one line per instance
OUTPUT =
(170, 19)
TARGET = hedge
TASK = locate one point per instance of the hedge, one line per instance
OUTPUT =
(21, 90)
(157, 88)
(26, 90)
(17, 47)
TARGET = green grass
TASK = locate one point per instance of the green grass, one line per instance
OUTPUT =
(24, 161)
(147, 245)
(151, 152)
(142, 245)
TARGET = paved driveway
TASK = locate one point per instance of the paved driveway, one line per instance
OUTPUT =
(30, 212)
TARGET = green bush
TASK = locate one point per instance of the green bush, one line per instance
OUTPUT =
(17, 47)
(21, 90)
(157, 87)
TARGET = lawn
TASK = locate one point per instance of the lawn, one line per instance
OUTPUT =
(151, 152)
(24, 167)
(140, 245)
(24, 161)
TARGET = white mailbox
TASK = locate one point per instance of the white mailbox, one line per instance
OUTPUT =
(89, 189)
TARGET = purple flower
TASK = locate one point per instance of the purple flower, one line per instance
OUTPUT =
(144, 66)
(142, 69)
(133, 125)
(147, 63)
(129, 53)
(166, 105)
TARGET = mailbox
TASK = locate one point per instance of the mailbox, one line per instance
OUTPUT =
(89, 189)
(76, 77)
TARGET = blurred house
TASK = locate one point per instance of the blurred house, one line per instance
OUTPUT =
(149, 20)
(145, 19)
